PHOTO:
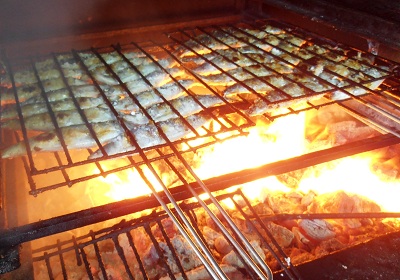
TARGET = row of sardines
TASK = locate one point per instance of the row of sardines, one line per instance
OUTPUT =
(264, 67)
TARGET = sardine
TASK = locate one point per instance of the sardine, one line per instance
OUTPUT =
(209, 69)
(43, 121)
(241, 74)
(148, 136)
(27, 91)
(104, 76)
(297, 41)
(210, 42)
(156, 78)
(185, 105)
(28, 76)
(147, 98)
(310, 82)
(77, 91)
(75, 137)
(23, 92)
(61, 105)
(257, 84)
(260, 106)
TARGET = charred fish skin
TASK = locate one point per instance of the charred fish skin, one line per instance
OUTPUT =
(75, 137)
(148, 135)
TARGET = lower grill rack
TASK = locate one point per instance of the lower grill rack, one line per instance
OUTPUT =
(151, 247)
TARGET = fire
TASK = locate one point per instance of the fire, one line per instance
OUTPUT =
(282, 139)
(121, 185)
(264, 144)
(354, 175)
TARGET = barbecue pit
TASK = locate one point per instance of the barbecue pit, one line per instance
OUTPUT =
(231, 119)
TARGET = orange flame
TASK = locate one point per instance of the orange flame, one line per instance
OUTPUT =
(284, 138)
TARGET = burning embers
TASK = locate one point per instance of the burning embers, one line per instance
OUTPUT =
(288, 219)
(152, 248)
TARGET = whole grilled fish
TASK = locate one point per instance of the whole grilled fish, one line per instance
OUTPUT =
(33, 90)
(148, 135)
(260, 106)
(75, 137)
(28, 76)
(257, 85)
(156, 79)
(61, 105)
(147, 98)
(185, 105)
(77, 91)
(43, 121)
(210, 42)
(241, 74)
(104, 76)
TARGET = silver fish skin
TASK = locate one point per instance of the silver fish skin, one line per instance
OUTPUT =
(26, 91)
(43, 121)
(103, 76)
(185, 105)
(257, 85)
(23, 92)
(210, 42)
(156, 79)
(61, 105)
(208, 69)
(241, 74)
(260, 107)
(148, 136)
(78, 91)
(126, 73)
(28, 76)
(198, 60)
(75, 137)
(91, 60)
(147, 98)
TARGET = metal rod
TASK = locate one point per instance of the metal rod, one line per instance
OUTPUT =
(36, 230)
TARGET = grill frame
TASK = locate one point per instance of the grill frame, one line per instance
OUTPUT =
(390, 140)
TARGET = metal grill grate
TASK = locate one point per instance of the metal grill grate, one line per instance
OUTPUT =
(289, 55)
(149, 247)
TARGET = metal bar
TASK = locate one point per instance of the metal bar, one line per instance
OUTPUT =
(133, 247)
(76, 249)
(48, 266)
(206, 85)
(29, 232)
(87, 264)
(98, 256)
(172, 249)
(62, 263)
(232, 225)
(20, 115)
(342, 89)
(121, 254)
(159, 252)
(79, 109)
(182, 87)
(288, 269)
(52, 115)
(211, 266)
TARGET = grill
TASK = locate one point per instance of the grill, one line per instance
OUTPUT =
(177, 229)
